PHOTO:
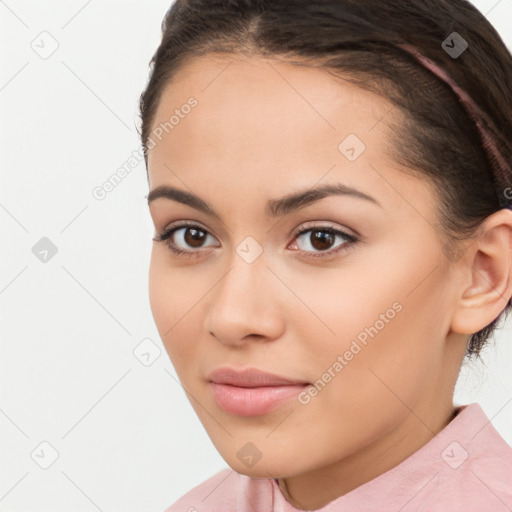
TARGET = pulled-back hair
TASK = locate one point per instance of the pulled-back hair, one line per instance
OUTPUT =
(436, 138)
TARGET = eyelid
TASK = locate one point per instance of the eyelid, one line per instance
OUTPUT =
(322, 224)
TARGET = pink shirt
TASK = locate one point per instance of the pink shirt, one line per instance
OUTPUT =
(466, 468)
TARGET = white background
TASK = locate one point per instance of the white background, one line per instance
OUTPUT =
(126, 436)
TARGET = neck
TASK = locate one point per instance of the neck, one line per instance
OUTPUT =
(318, 488)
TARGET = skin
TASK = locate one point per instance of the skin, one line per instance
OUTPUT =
(262, 129)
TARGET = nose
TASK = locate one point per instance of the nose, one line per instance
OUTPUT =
(245, 305)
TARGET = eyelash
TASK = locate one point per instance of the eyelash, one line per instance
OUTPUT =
(166, 234)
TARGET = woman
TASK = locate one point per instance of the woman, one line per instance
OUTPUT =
(330, 185)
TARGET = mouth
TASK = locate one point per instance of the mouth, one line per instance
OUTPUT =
(252, 392)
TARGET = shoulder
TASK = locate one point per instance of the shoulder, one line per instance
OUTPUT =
(477, 474)
(480, 483)
(228, 491)
(465, 467)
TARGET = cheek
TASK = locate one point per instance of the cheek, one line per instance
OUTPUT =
(381, 357)
(173, 295)
(387, 341)
(161, 298)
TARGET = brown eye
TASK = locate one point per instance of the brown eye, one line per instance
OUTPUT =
(194, 237)
(184, 238)
(319, 241)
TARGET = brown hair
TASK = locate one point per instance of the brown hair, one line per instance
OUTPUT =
(435, 137)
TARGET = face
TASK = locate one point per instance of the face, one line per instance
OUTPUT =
(347, 294)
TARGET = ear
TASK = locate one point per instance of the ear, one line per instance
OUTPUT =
(487, 275)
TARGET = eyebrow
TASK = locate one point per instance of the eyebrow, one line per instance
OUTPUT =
(275, 207)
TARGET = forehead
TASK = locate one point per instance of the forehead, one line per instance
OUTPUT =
(219, 75)
(250, 100)
(260, 122)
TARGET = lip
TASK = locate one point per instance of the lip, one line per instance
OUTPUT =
(250, 377)
(252, 392)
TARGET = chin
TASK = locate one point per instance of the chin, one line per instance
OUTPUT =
(263, 469)
(256, 472)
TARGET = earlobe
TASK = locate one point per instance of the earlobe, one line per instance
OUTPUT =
(489, 271)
